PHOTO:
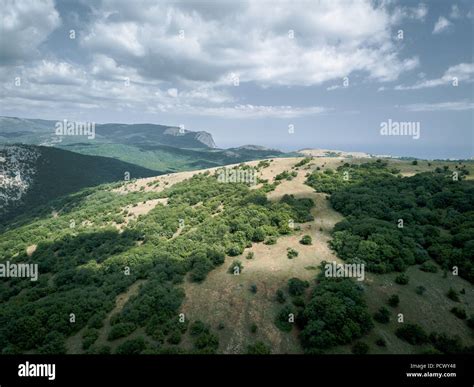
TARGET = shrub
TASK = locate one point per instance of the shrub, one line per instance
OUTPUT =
(292, 253)
(381, 342)
(131, 347)
(253, 328)
(298, 301)
(470, 321)
(428, 267)
(296, 287)
(453, 295)
(402, 279)
(259, 348)
(198, 328)
(253, 288)
(282, 320)
(89, 337)
(420, 290)
(236, 267)
(360, 348)
(120, 330)
(306, 240)
(270, 241)
(97, 320)
(382, 315)
(207, 343)
(250, 255)
(280, 296)
(459, 312)
(412, 333)
(393, 300)
(174, 338)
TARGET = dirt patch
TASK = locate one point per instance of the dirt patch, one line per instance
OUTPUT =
(30, 250)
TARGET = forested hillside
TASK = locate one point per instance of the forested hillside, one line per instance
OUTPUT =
(85, 261)
(34, 175)
(394, 222)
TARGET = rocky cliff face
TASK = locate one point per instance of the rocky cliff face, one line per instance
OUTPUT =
(205, 138)
(17, 171)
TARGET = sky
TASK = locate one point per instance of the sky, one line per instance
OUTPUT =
(282, 74)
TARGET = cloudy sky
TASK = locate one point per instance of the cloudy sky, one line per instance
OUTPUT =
(284, 74)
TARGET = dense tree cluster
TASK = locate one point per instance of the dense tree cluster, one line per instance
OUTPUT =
(394, 222)
(336, 314)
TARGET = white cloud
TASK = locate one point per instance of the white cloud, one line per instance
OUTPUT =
(455, 13)
(247, 111)
(25, 25)
(463, 72)
(252, 42)
(56, 73)
(441, 106)
(441, 25)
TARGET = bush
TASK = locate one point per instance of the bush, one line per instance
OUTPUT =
(89, 337)
(236, 267)
(282, 320)
(394, 300)
(420, 290)
(306, 240)
(207, 343)
(382, 315)
(360, 348)
(131, 347)
(453, 295)
(459, 312)
(381, 342)
(198, 327)
(280, 296)
(292, 253)
(253, 288)
(428, 267)
(298, 301)
(259, 348)
(97, 320)
(412, 333)
(250, 255)
(120, 330)
(470, 321)
(296, 287)
(402, 279)
(174, 338)
(253, 328)
(445, 344)
(270, 241)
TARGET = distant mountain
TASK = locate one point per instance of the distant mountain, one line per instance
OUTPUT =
(157, 147)
(43, 132)
(33, 175)
(172, 159)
